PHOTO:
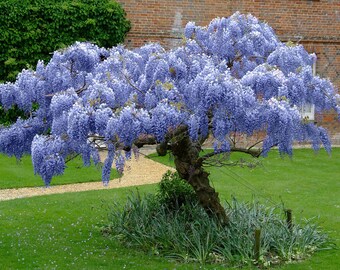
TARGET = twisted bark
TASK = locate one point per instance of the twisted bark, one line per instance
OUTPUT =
(189, 167)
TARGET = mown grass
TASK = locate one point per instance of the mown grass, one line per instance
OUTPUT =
(18, 174)
(62, 231)
(308, 183)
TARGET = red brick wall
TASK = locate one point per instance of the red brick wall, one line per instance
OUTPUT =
(299, 19)
(314, 23)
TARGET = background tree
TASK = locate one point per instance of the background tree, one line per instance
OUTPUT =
(33, 30)
(231, 78)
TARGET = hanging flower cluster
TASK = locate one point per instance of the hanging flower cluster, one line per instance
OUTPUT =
(233, 76)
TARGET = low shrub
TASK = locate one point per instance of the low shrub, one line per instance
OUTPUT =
(32, 30)
(173, 192)
(188, 234)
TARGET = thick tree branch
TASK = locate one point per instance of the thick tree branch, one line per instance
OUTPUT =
(145, 140)
(253, 152)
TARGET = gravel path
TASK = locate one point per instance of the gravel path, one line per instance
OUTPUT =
(140, 172)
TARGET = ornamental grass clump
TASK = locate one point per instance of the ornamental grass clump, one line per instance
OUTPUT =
(189, 234)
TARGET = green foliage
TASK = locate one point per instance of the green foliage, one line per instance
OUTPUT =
(32, 30)
(7, 117)
(174, 191)
(190, 235)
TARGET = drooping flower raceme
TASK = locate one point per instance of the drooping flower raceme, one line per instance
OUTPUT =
(48, 155)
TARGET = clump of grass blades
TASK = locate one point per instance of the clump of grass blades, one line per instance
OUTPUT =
(189, 234)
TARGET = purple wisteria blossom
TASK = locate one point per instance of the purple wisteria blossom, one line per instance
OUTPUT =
(231, 78)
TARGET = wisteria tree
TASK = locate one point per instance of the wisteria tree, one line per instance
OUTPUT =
(230, 79)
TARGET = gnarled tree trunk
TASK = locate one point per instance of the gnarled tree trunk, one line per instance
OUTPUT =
(189, 167)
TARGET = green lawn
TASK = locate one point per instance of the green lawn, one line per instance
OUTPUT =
(18, 174)
(309, 184)
(62, 231)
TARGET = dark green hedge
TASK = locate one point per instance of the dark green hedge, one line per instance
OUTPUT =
(32, 30)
